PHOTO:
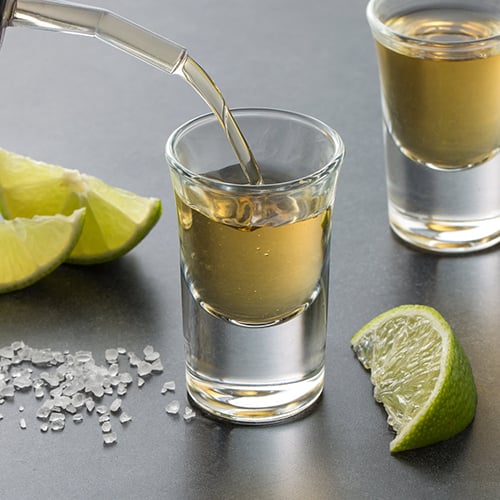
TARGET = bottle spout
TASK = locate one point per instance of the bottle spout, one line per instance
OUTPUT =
(95, 22)
(5, 15)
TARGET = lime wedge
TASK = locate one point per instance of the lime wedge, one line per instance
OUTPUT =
(32, 248)
(420, 374)
(116, 220)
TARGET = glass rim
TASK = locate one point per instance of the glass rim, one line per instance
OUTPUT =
(338, 152)
(378, 27)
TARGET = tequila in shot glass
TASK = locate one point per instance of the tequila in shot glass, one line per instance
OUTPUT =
(439, 68)
(255, 262)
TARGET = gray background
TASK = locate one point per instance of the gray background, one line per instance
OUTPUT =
(77, 102)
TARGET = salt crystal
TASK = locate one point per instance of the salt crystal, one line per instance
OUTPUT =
(126, 378)
(1, 416)
(109, 438)
(56, 392)
(104, 418)
(133, 359)
(17, 345)
(106, 427)
(97, 390)
(58, 358)
(73, 387)
(62, 401)
(22, 382)
(4, 363)
(7, 352)
(90, 405)
(41, 356)
(168, 386)
(101, 409)
(57, 416)
(140, 381)
(121, 350)
(78, 418)
(57, 425)
(83, 357)
(144, 368)
(173, 407)
(111, 355)
(21, 409)
(189, 414)
(115, 405)
(70, 409)
(149, 349)
(78, 400)
(150, 354)
(114, 369)
(121, 390)
(22, 423)
(44, 427)
(125, 418)
(43, 413)
(38, 383)
(50, 378)
(157, 366)
(7, 392)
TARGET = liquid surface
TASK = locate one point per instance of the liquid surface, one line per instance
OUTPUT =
(441, 106)
(446, 25)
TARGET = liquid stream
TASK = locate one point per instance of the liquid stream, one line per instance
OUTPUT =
(206, 88)
(139, 42)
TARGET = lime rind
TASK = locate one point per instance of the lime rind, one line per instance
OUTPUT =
(445, 403)
(35, 247)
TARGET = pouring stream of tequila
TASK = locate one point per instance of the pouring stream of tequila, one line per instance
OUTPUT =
(139, 42)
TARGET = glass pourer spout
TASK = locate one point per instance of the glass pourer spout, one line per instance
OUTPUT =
(95, 22)
(131, 38)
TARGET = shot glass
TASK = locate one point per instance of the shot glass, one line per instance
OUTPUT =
(255, 262)
(439, 65)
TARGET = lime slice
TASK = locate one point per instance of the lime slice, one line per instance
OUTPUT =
(116, 220)
(420, 374)
(32, 248)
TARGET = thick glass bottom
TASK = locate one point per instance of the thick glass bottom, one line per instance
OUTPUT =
(444, 236)
(255, 375)
(254, 404)
(443, 210)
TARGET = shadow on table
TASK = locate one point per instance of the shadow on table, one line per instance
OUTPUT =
(115, 299)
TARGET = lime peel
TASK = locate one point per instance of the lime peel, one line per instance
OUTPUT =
(420, 374)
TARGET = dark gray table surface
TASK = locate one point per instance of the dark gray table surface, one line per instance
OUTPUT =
(76, 102)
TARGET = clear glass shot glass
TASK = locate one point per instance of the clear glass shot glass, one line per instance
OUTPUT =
(255, 262)
(439, 65)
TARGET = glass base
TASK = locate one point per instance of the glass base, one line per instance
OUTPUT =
(443, 210)
(445, 236)
(258, 374)
(254, 404)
